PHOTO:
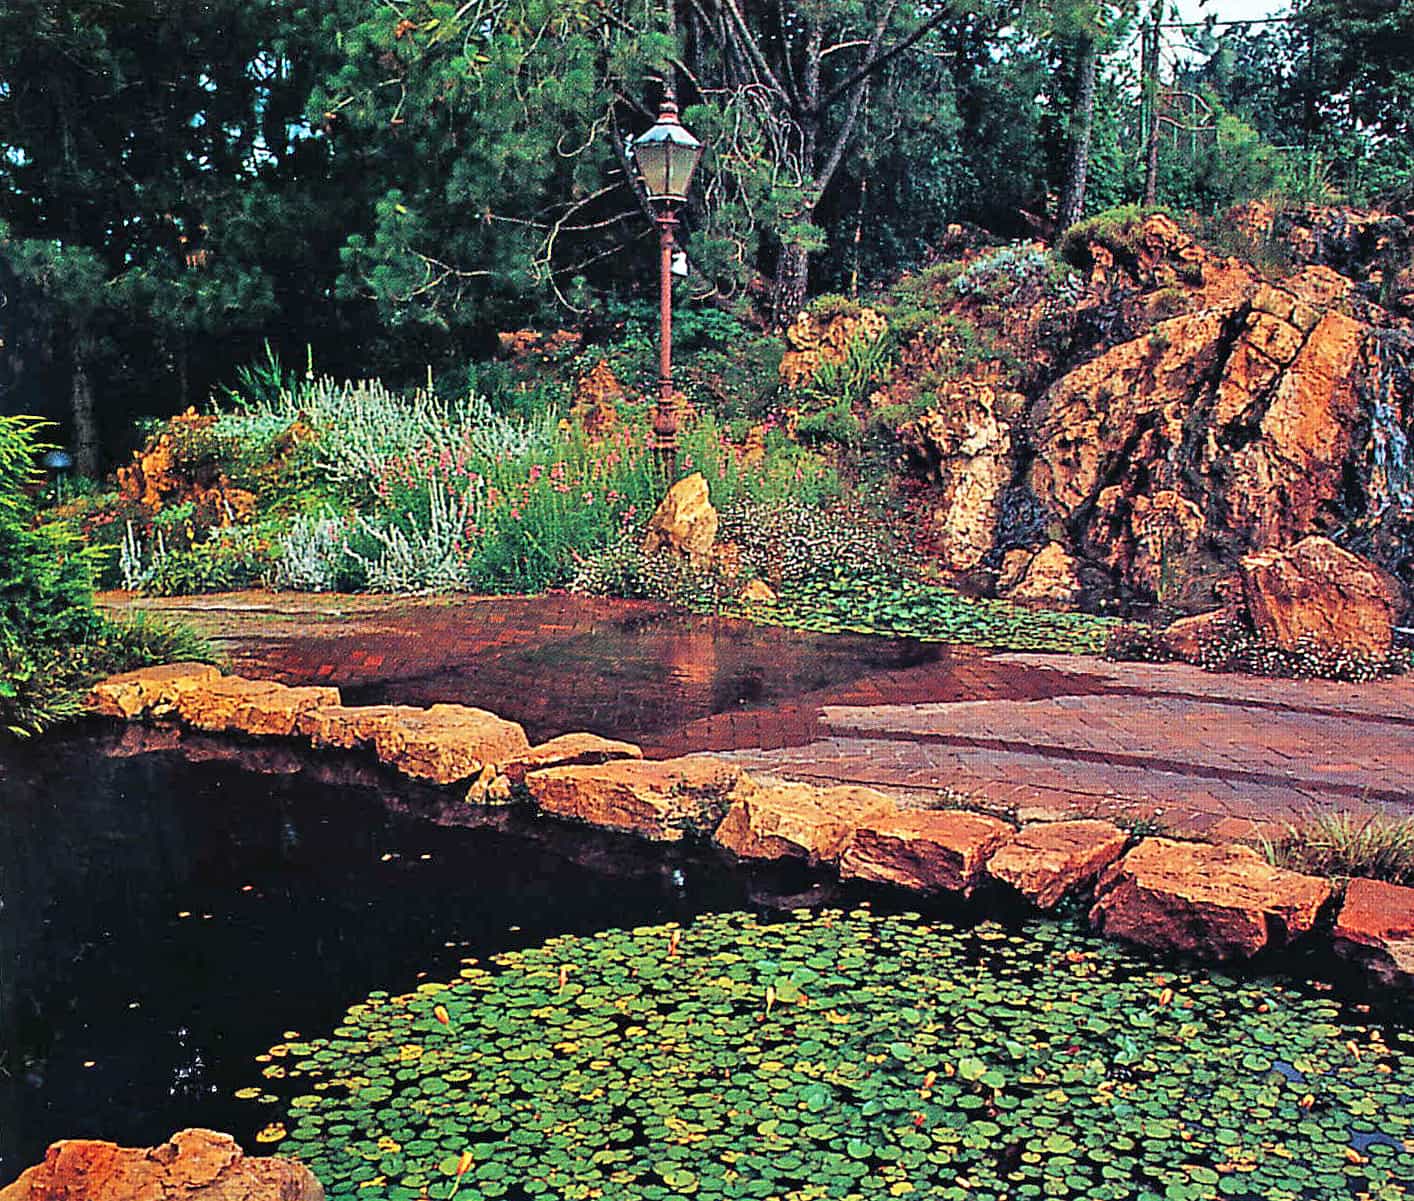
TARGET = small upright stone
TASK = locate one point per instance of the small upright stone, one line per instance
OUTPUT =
(684, 522)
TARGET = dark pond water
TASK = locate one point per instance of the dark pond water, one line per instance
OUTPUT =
(163, 921)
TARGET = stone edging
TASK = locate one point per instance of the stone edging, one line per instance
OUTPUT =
(1218, 901)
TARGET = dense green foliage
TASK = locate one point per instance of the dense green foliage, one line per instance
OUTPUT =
(353, 486)
(53, 641)
(842, 1055)
(394, 184)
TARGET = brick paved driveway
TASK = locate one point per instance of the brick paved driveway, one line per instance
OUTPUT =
(1036, 735)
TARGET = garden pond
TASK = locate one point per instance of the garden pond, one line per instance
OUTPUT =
(328, 963)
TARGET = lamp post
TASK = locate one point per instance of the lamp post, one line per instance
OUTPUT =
(666, 156)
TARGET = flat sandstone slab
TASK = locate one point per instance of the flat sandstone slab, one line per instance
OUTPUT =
(134, 694)
(798, 821)
(930, 851)
(1045, 861)
(1218, 902)
(569, 750)
(447, 743)
(234, 704)
(655, 799)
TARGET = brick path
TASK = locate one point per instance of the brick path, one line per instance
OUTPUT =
(1035, 735)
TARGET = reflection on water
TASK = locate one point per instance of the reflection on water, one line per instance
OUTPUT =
(162, 921)
(635, 679)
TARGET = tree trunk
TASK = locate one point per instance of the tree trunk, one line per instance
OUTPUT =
(792, 282)
(82, 412)
(1151, 109)
(1077, 167)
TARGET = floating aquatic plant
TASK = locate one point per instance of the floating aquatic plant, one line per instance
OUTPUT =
(847, 1056)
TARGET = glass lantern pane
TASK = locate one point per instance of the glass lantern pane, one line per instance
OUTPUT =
(652, 158)
(682, 162)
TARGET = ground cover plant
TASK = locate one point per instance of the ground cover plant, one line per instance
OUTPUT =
(837, 1055)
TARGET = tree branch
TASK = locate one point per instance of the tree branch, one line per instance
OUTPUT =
(872, 65)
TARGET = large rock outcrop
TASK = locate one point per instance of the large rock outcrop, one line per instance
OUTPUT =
(194, 1165)
(447, 743)
(798, 821)
(1170, 414)
(1045, 861)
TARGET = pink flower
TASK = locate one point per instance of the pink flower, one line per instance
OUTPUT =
(515, 513)
(535, 472)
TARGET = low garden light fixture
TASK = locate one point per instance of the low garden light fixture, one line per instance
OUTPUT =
(665, 157)
(58, 462)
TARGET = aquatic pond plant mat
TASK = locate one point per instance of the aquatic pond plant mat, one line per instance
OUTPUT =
(846, 1055)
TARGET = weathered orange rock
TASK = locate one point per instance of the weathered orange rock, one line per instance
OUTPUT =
(349, 726)
(798, 821)
(1376, 929)
(134, 694)
(447, 743)
(966, 445)
(1046, 860)
(1218, 902)
(684, 522)
(238, 705)
(1284, 479)
(195, 1165)
(942, 850)
(1051, 577)
(1319, 593)
(655, 799)
(1188, 637)
(758, 592)
(568, 750)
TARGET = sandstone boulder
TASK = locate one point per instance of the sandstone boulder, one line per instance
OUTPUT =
(1376, 930)
(930, 851)
(684, 522)
(349, 726)
(195, 1165)
(234, 704)
(447, 743)
(1218, 902)
(1189, 637)
(1317, 593)
(654, 799)
(1049, 859)
(798, 821)
(1051, 577)
(148, 690)
(758, 592)
(568, 750)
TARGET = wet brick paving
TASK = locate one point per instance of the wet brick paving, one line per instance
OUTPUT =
(1032, 735)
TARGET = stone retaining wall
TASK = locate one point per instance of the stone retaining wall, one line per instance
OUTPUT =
(1214, 901)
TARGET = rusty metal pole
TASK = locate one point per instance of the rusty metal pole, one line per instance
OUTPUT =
(665, 419)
